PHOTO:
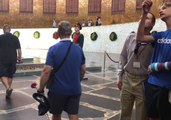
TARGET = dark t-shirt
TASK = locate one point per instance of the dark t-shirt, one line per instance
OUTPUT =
(8, 46)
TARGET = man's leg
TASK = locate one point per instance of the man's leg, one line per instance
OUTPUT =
(164, 105)
(127, 102)
(151, 101)
(140, 103)
(56, 117)
(7, 83)
(73, 117)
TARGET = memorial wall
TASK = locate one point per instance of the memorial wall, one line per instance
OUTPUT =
(36, 41)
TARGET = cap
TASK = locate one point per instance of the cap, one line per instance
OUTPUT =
(43, 106)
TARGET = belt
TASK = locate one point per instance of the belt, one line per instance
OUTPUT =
(136, 76)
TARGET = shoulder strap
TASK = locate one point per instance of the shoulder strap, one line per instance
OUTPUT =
(58, 67)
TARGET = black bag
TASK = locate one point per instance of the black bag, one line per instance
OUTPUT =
(52, 74)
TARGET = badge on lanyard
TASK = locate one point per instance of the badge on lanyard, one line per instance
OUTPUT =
(136, 64)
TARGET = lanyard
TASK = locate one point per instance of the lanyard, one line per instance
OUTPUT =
(137, 49)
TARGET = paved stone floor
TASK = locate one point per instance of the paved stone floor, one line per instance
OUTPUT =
(99, 101)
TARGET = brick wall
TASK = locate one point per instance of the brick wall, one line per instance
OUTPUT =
(38, 20)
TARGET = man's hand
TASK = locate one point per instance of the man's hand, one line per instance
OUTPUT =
(119, 84)
(146, 5)
(19, 60)
(149, 70)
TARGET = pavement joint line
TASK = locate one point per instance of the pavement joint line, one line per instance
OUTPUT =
(95, 107)
(107, 112)
(16, 109)
(95, 88)
(98, 118)
(90, 91)
(100, 77)
(109, 115)
(103, 96)
(24, 93)
(102, 84)
(114, 88)
(112, 114)
(88, 86)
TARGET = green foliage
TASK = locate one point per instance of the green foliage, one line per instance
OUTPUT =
(93, 36)
(113, 36)
(36, 35)
(16, 33)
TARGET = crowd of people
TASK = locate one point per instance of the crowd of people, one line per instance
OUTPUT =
(83, 23)
(143, 71)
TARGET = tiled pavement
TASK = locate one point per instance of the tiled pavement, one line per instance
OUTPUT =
(99, 100)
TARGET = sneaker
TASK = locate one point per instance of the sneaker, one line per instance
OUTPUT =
(8, 93)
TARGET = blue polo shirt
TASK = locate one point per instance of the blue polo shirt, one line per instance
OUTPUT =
(162, 53)
(67, 78)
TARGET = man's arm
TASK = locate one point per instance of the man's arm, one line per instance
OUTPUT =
(44, 77)
(81, 40)
(82, 71)
(140, 32)
(122, 63)
(19, 54)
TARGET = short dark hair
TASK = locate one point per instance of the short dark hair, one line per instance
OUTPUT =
(78, 25)
(64, 28)
(6, 26)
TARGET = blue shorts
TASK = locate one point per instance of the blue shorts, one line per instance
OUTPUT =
(59, 103)
(7, 69)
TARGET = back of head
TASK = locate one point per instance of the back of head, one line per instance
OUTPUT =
(64, 29)
(6, 28)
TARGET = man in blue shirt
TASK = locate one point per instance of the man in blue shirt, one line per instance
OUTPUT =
(64, 93)
(159, 87)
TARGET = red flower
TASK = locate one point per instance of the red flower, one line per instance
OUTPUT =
(33, 85)
(55, 35)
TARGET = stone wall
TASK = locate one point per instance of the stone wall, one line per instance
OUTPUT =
(39, 20)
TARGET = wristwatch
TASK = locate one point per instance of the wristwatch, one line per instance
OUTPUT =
(40, 91)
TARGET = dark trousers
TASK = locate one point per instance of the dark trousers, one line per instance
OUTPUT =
(164, 105)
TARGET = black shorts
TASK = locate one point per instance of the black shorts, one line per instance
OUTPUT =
(157, 102)
(59, 103)
(7, 69)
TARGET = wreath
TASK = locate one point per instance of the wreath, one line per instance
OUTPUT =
(93, 36)
(36, 35)
(113, 36)
(55, 35)
(16, 33)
